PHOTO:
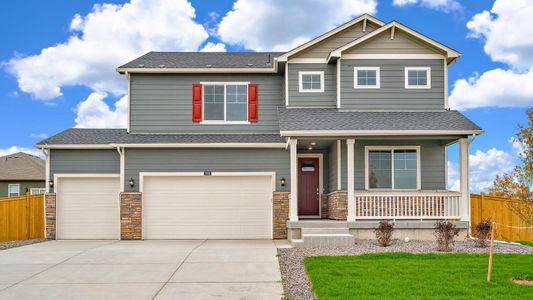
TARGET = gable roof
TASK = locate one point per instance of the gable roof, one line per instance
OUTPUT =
(362, 18)
(451, 54)
(21, 166)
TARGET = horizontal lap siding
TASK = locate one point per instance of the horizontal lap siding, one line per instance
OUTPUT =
(84, 162)
(325, 99)
(25, 185)
(392, 95)
(332, 167)
(162, 103)
(432, 160)
(215, 160)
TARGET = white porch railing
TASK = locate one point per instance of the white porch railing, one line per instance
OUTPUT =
(407, 205)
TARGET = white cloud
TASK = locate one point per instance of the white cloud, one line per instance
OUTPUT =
(443, 5)
(15, 149)
(484, 166)
(39, 135)
(279, 25)
(95, 113)
(100, 41)
(212, 47)
(508, 39)
(518, 147)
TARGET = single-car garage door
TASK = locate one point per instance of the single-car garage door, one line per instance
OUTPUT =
(207, 207)
(87, 207)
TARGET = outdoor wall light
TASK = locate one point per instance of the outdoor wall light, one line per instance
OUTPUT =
(51, 183)
(132, 182)
(282, 181)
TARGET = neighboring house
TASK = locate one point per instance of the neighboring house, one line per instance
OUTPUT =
(21, 173)
(350, 128)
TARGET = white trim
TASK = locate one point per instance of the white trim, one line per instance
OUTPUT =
(201, 174)
(38, 189)
(428, 79)
(376, 132)
(449, 51)
(286, 84)
(446, 105)
(392, 56)
(18, 188)
(307, 61)
(350, 179)
(293, 200)
(320, 157)
(339, 166)
(46, 153)
(168, 145)
(122, 154)
(464, 178)
(339, 83)
(225, 84)
(392, 148)
(355, 77)
(220, 122)
(446, 164)
(274, 69)
(300, 85)
(326, 35)
(128, 77)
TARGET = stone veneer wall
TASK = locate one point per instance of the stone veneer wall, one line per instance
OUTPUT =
(50, 215)
(281, 214)
(338, 205)
(324, 207)
(131, 216)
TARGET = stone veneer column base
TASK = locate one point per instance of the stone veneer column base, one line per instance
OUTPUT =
(280, 214)
(338, 205)
(50, 215)
(130, 216)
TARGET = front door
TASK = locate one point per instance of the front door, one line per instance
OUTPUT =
(308, 187)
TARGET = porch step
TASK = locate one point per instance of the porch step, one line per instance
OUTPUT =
(333, 230)
(325, 240)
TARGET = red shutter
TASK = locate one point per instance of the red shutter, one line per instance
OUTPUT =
(196, 102)
(252, 102)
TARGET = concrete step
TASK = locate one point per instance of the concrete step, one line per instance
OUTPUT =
(325, 230)
(327, 240)
(297, 243)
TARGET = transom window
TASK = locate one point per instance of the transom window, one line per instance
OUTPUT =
(417, 78)
(366, 77)
(311, 82)
(225, 102)
(392, 168)
(37, 191)
(13, 190)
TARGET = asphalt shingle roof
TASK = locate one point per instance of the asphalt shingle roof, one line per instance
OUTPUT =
(21, 166)
(301, 119)
(82, 136)
(204, 60)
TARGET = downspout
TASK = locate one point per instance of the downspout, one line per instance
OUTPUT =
(46, 153)
(470, 225)
(121, 153)
(287, 144)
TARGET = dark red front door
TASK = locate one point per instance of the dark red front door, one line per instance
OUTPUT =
(308, 193)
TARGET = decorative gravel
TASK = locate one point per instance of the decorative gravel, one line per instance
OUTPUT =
(14, 244)
(296, 286)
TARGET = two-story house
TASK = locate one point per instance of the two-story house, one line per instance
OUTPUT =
(315, 144)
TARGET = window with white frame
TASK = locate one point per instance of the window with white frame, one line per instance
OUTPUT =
(13, 190)
(417, 78)
(311, 82)
(37, 191)
(392, 167)
(366, 77)
(225, 102)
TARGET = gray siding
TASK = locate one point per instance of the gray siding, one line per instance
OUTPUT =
(162, 103)
(432, 160)
(332, 169)
(392, 95)
(25, 186)
(326, 99)
(84, 162)
(199, 160)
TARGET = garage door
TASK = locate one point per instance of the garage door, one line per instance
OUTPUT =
(87, 208)
(207, 207)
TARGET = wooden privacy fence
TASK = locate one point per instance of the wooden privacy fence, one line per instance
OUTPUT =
(21, 217)
(509, 226)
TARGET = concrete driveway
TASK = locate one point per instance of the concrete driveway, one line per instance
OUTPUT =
(141, 270)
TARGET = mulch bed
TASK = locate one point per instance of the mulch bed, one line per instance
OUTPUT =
(297, 286)
(14, 244)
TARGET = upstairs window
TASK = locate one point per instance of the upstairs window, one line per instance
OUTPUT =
(225, 102)
(417, 78)
(366, 78)
(311, 82)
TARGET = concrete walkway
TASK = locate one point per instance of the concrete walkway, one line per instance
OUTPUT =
(141, 270)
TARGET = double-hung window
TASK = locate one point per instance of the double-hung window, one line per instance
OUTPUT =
(392, 167)
(311, 82)
(225, 102)
(417, 78)
(13, 190)
(366, 78)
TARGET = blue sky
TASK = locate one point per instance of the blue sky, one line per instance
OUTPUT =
(43, 93)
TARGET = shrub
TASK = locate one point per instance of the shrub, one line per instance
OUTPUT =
(481, 232)
(445, 232)
(384, 233)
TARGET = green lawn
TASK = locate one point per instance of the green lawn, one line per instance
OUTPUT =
(526, 243)
(421, 276)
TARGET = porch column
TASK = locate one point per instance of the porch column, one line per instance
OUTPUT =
(351, 182)
(464, 179)
(293, 201)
